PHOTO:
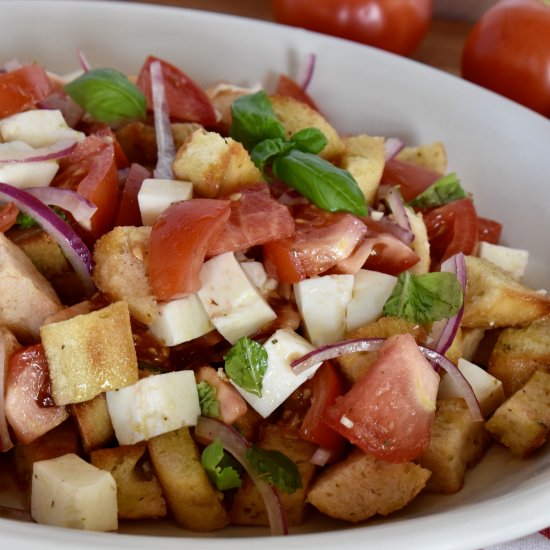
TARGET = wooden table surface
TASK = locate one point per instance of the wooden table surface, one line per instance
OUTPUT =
(441, 48)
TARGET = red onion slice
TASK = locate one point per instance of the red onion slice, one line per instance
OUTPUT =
(163, 130)
(83, 61)
(80, 208)
(305, 73)
(326, 353)
(234, 443)
(76, 252)
(62, 148)
(393, 146)
(321, 456)
(5, 440)
(396, 204)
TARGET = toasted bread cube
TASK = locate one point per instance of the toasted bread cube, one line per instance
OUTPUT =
(121, 270)
(364, 157)
(431, 156)
(295, 116)
(519, 352)
(214, 165)
(190, 497)
(522, 422)
(94, 423)
(139, 494)
(355, 365)
(420, 244)
(90, 354)
(456, 443)
(495, 299)
(471, 339)
(361, 486)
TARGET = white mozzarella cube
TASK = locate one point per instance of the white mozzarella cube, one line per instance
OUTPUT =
(371, 290)
(69, 492)
(279, 380)
(255, 271)
(26, 174)
(180, 320)
(155, 405)
(513, 260)
(235, 306)
(38, 128)
(322, 303)
(487, 388)
(156, 195)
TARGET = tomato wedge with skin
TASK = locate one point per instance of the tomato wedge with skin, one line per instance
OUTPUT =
(389, 412)
(186, 100)
(128, 210)
(8, 216)
(256, 218)
(489, 230)
(322, 239)
(287, 87)
(91, 170)
(22, 88)
(411, 178)
(179, 240)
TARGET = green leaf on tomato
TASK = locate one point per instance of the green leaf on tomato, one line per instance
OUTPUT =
(246, 364)
(446, 189)
(107, 95)
(220, 467)
(425, 298)
(325, 185)
(210, 406)
(275, 468)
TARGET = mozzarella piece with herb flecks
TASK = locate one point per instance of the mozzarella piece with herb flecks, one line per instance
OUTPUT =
(69, 492)
(155, 405)
(156, 195)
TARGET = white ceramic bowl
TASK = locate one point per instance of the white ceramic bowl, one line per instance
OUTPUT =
(498, 149)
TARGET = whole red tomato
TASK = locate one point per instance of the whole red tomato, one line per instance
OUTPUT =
(508, 51)
(394, 25)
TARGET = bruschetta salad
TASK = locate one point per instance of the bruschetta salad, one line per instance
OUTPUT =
(217, 308)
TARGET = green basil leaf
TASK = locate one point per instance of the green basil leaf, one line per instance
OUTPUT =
(267, 150)
(253, 120)
(107, 95)
(210, 406)
(309, 140)
(324, 184)
(275, 468)
(220, 467)
(445, 189)
(425, 298)
(246, 364)
(25, 221)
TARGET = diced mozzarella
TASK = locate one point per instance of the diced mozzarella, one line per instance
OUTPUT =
(155, 405)
(322, 303)
(180, 321)
(156, 195)
(38, 128)
(258, 277)
(513, 260)
(279, 380)
(487, 388)
(371, 290)
(69, 492)
(233, 303)
(26, 174)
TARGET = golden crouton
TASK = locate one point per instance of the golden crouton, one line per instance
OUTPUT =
(355, 365)
(495, 299)
(519, 352)
(139, 494)
(471, 340)
(90, 354)
(456, 443)
(248, 507)
(214, 165)
(295, 116)
(361, 486)
(364, 157)
(121, 270)
(431, 156)
(522, 422)
(420, 244)
(191, 498)
(94, 423)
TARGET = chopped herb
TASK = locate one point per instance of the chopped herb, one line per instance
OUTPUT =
(209, 404)
(275, 468)
(446, 189)
(246, 364)
(222, 469)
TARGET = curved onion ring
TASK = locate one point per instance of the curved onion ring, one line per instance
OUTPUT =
(76, 252)
(374, 344)
(62, 148)
(233, 442)
(397, 206)
(306, 74)
(392, 145)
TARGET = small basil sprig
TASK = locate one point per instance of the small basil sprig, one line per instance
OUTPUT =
(210, 406)
(275, 468)
(446, 189)
(222, 469)
(246, 364)
(107, 95)
(425, 298)
(294, 161)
